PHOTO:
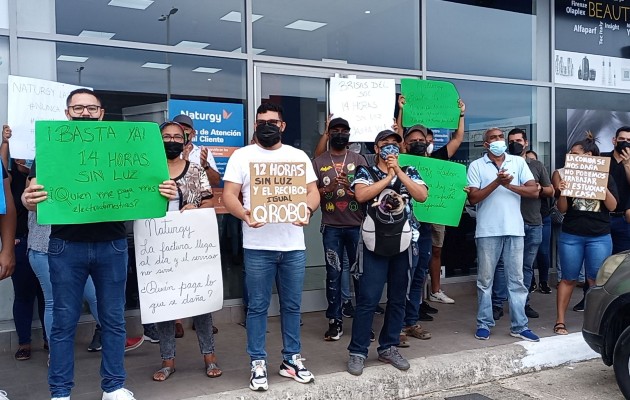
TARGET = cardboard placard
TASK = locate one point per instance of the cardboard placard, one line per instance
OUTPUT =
(446, 181)
(586, 176)
(278, 192)
(430, 103)
(367, 105)
(178, 260)
(100, 171)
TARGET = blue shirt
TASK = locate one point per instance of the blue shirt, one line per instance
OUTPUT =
(499, 214)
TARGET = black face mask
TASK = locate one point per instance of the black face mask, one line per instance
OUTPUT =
(82, 118)
(417, 148)
(515, 148)
(267, 135)
(173, 149)
(339, 141)
(620, 146)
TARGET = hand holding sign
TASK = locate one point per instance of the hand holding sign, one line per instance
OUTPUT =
(433, 104)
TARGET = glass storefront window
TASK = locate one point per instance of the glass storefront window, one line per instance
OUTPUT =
(188, 24)
(369, 32)
(503, 39)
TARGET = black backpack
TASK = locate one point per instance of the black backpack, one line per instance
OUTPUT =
(384, 231)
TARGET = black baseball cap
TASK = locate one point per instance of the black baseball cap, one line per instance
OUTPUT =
(184, 119)
(382, 135)
(420, 128)
(338, 122)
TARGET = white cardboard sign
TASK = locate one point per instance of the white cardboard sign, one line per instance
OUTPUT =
(178, 261)
(33, 100)
(367, 105)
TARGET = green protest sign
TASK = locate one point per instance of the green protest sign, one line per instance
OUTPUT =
(446, 181)
(98, 171)
(430, 103)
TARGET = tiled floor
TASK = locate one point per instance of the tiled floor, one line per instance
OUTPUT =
(452, 331)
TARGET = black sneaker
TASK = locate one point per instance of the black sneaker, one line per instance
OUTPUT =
(497, 313)
(294, 368)
(544, 288)
(579, 307)
(347, 309)
(335, 330)
(533, 287)
(96, 345)
(379, 310)
(426, 308)
(150, 333)
(422, 316)
(530, 312)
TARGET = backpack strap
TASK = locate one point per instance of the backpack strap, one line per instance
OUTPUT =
(398, 184)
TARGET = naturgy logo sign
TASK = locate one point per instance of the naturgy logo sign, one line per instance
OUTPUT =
(198, 116)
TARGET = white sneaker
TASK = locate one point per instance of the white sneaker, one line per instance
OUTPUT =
(3, 395)
(258, 380)
(120, 394)
(440, 297)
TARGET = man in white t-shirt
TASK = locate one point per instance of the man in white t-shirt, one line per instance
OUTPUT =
(198, 155)
(271, 249)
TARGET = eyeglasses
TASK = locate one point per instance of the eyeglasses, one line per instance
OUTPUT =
(78, 109)
(173, 138)
(269, 122)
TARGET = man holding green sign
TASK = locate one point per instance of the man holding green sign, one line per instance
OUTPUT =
(84, 240)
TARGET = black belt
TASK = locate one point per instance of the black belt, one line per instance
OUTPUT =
(617, 214)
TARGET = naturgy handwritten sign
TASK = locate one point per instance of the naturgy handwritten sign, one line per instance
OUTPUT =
(367, 105)
(179, 265)
(430, 103)
(33, 100)
(587, 176)
(278, 192)
(446, 181)
(100, 171)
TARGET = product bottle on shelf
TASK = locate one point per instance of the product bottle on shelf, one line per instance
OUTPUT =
(609, 73)
(603, 72)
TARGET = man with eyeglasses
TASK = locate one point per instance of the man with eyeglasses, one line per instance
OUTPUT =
(196, 154)
(74, 251)
(271, 251)
(620, 172)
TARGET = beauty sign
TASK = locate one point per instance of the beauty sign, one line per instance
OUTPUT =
(178, 260)
(586, 176)
(278, 192)
(430, 103)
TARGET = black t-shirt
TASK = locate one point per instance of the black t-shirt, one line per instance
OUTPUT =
(619, 175)
(95, 232)
(441, 153)
(588, 217)
(18, 183)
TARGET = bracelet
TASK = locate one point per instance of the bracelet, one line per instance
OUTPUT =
(310, 210)
(461, 115)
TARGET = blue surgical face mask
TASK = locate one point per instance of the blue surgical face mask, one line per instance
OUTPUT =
(389, 149)
(497, 148)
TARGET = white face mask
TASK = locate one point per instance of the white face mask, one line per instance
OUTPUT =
(430, 149)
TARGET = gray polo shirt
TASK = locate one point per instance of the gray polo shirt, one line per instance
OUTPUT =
(530, 208)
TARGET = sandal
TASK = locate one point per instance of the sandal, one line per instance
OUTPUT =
(213, 370)
(165, 371)
(418, 332)
(23, 354)
(560, 329)
(402, 340)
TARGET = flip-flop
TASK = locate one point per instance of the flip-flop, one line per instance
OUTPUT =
(166, 371)
(213, 370)
(559, 328)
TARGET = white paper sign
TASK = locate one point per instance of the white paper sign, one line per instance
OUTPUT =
(367, 105)
(179, 265)
(33, 100)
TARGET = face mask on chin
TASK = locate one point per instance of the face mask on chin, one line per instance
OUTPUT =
(267, 135)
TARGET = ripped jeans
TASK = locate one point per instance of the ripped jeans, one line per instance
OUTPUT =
(336, 240)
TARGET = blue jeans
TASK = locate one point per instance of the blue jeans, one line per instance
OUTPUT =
(543, 258)
(490, 250)
(27, 290)
(377, 271)
(575, 251)
(418, 277)
(261, 268)
(39, 263)
(620, 232)
(337, 241)
(345, 279)
(70, 264)
(531, 243)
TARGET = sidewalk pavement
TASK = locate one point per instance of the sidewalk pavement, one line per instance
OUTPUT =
(452, 358)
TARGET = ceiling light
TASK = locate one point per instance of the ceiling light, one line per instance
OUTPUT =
(135, 4)
(156, 65)
(235, 16)
(96, 34)
(207, 70)
(254, 50)
(195, 45)
(304, 25)
(72, 58)
(367, 11)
